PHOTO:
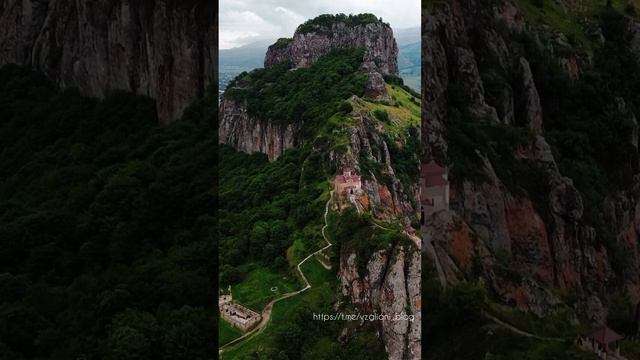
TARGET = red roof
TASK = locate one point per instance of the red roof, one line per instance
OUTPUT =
(347, 178)
(433, 174)
(343, 179)
(604, 335)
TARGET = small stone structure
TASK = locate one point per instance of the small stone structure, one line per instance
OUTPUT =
(237, 315)
(434, 189)
(348, 183)
(603, 342)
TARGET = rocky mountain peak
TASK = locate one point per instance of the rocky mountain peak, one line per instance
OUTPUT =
(317, 37)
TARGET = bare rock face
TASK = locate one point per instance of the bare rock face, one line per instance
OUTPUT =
(389, 287)
(545, 238)
(531, 107)
(307, 47)
(469, 79)
(164, 49)
(369, 140)
(483, 208)
(375, 89)
(249, 134)
(435, 79)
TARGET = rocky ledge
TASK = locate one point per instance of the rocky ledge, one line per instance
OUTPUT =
(159, 48)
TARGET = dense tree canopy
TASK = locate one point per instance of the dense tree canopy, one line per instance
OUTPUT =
(308, 95)
(106, 225)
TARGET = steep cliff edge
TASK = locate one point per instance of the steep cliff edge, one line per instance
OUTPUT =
(318, 36)
(312, 42)
(379, 264)
(512, 96)
(388, 285)
(164, 49)
(250, 134)
(341, 104)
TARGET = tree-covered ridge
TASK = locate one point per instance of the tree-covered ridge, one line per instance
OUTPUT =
(330, 19)
(281, 43)
(304, 95)
(106, 225)
(265, 207)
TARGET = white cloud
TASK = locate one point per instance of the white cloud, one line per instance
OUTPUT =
(246, 21)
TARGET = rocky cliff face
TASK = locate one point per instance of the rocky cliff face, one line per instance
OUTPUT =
(385, 195)
(465, 45)
(307, 47)
(250, 134)
(389, 286)
(164, 49)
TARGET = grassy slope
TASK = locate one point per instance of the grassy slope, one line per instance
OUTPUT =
(568, 22)
(406, 114)
(485, 340)
(226, 332)
(320, 294)
(255, 292)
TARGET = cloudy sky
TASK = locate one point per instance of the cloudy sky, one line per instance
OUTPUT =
(246, 21)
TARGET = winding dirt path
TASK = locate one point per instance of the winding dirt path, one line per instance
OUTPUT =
(357, 204)
(519, 331)
(266, 312)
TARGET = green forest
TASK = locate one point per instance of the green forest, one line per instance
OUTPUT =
(308, 95)
(107, 225)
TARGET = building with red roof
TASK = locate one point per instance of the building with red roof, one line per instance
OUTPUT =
(603, 341)
(434, 188)
(348, 183)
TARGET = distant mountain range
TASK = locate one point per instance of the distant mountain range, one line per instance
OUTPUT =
(251, 56)
(409, 51)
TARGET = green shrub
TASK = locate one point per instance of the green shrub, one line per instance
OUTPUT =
(346, 107)
(329, 19)
(382, 115)
(281, 43)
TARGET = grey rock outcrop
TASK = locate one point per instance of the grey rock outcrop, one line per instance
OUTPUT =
(250, 134)
(164, 49)
(531, 107)
(369, 140)
(389, 287)
(375, 89)
(307, 47)
(542, 235)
